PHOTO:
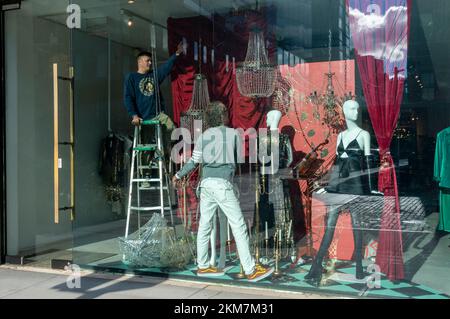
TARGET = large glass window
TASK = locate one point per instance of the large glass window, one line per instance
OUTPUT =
(359, 202)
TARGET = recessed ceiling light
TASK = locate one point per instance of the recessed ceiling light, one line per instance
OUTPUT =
(130, 1)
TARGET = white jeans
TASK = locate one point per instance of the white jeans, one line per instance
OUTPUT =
(214, 193)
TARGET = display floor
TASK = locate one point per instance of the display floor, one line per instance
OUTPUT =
(341, 282)
(426, 252)
(426, 268)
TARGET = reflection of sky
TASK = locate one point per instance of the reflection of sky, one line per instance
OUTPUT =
(379, 29)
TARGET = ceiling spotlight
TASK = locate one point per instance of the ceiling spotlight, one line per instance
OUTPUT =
(130, 22)
(130, 1)
(417, 76)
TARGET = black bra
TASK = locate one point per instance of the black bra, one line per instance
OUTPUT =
(353, 146)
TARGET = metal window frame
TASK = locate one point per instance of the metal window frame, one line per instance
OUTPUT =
(2, 140)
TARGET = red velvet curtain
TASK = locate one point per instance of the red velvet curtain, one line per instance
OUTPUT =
(380, 30)
(228, 35)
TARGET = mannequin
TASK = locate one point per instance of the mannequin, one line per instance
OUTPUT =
(273, 119)
(285, 151)
(279, 151)
(348, 177)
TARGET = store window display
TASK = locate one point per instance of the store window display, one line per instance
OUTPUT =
(349, 175)
(276, 158)
(285, 151)
(353, 151)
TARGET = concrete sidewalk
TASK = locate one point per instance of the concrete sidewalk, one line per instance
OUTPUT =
(33, 283)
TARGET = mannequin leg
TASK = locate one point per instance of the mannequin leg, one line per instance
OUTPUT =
(315, 273)
(358, 239)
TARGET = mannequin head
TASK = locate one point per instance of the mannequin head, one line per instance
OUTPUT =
(273, 119)
(351, 110)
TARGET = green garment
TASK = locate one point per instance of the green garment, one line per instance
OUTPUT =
(444, 215)
(442, 175)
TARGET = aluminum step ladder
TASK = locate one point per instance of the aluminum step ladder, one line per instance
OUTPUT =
(142, 173)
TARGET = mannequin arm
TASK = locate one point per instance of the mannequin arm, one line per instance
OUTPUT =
(290, 156)
(338, 141)
(372, 188)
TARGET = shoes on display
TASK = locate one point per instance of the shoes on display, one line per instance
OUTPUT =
(260, 273)
(314, 276)
(210, 272)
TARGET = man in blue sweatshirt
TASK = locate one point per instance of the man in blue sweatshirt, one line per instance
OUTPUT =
(217, 149)
(141, 97)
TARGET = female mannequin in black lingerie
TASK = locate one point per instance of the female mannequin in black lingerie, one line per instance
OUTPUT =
(348, 177)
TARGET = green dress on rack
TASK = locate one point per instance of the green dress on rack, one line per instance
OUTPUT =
(442, 175)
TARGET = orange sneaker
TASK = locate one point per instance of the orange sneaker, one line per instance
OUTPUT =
(210, 272)
(260, 273)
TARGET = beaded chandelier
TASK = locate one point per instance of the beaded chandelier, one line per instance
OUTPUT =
(199, 102)
(255, 76)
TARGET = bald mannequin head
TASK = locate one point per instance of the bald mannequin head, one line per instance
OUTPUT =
(350, 109)
(353, 131)
(273, 119)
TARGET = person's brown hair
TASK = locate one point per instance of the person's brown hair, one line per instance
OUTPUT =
(216, 114)
(144, 53)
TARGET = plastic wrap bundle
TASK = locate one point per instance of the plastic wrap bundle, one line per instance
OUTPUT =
(146, 241)
(175, 252)
(155, 245)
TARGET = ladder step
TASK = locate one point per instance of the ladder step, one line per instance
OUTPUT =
(149, 208)
(150, 180)
(146, 147)
(148, 167)
(150, 122)
(152, 188)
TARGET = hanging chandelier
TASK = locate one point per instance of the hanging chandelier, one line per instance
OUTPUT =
(199, 102)
(255, 76)
(329, 101)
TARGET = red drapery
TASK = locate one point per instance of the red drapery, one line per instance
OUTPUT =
(228, 36)
(379, 30)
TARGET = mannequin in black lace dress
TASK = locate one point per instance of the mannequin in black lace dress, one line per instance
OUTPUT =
(349, 175)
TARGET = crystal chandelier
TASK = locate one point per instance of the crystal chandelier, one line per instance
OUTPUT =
(199, 102)
(255, 76)
(330, 102)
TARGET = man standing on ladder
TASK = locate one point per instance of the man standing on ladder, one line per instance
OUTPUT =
(216, 149)
(143, 99)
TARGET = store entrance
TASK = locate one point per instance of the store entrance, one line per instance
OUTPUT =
(103, 52)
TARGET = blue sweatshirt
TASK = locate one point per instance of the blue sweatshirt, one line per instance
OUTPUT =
(140, 97)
